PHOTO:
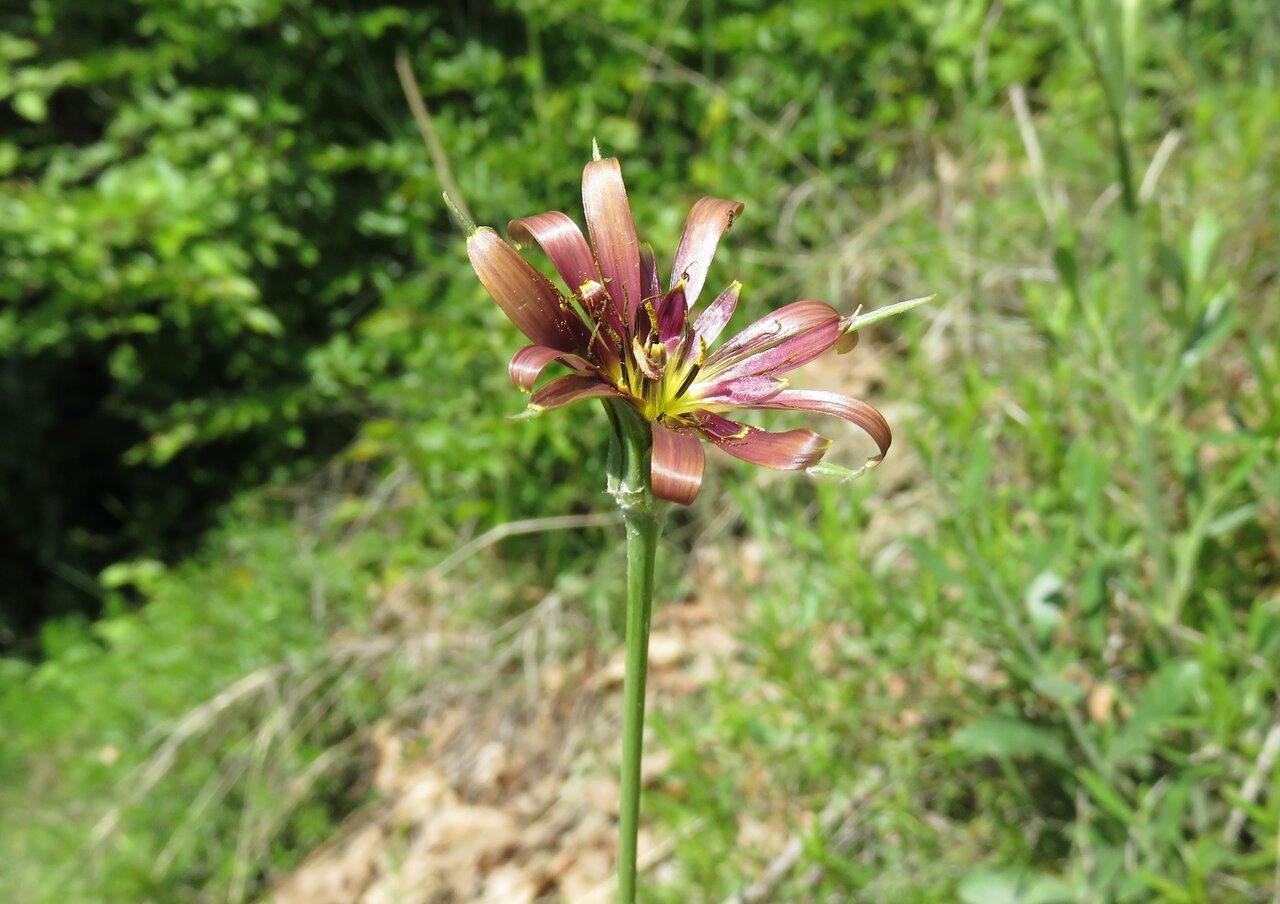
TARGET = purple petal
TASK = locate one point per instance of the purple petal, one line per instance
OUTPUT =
(716, 316)
(602, 319)
(672, 311)
(852, 410)
(613, 233)
(745, 391)
(786, 356)
(525, 295)
(530, 361)
(706, 222)
(793, 450)
(794, 320)
(649, 271)
(677, 464)
(562, 240)
(573, 388)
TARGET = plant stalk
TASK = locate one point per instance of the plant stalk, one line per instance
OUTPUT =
(631, 487)
(642, 546)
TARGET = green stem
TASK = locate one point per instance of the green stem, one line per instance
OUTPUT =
(1112, 72)
(1144, 406)
(642, 546)
(631, 487)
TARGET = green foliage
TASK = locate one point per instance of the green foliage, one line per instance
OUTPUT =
(1063, 675)
(1039, 641)
(220, 237)
(112, 697)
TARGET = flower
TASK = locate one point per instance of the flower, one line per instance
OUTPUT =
(622, 337)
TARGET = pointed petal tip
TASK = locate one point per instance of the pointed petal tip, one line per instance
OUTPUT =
(527, 297)
(612, 230)
(855, 411)
(715, 316)
(595, 149)
(459, 217)
(707, 221)
(793, 450)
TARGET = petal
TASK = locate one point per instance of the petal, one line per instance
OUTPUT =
(672, 311)
(706, 222)
(787, 355)
(606, 326)
(852, 410)
(529, 362)
(713, 319)
(744, 391)
(613, 233)
(793, 450)
(794, 320)
(573, 388)
(677, 464)
(525, 295)
(562, 240)
(649, 272)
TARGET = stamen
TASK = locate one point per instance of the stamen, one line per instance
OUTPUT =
(692, 373)
(688, 380)
(626, 371)
(650, 365)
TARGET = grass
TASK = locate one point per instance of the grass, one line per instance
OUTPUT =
(1031, 658)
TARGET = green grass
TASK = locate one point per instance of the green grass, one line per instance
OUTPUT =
(1037, 648)
(1045, 653)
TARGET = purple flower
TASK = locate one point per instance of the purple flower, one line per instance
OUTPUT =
(623, 337)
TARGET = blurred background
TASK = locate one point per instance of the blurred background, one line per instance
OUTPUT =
(291, 611)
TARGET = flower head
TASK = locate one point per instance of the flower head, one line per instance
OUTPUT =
(623, 337)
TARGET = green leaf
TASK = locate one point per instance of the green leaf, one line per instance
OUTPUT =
(1172, 267)
(1169, 891)
(975, 482)
(1106, 796)
(1226, 523)
(30, 105)
(1009, 885)
(1064, 261)
(1166, 696)
(142, 572)
(928, 558)
(260, 320)
(1206, 235)
(1062, 691)
(1001, 737)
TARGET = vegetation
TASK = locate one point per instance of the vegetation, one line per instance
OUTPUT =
(1037, 647)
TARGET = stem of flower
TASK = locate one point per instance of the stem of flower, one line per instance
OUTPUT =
(630, 485)
(642, 545)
